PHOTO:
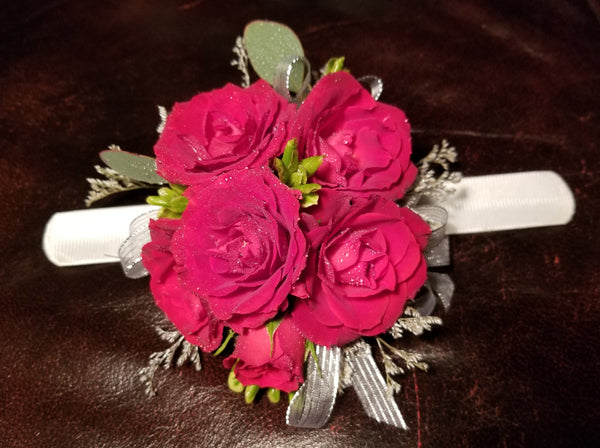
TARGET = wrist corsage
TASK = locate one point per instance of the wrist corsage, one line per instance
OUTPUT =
(291, 233)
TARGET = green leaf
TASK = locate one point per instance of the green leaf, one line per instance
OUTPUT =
(282, 171)
(290, 154)
(132, 165)
(297, 179)
(308, 188)
(223, 345)
(310, 199)
(311, 164)
(334, 65)
(171, 200)
(268, 44)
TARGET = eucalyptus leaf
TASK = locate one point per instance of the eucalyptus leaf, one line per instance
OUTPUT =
(135, 166)
(268, 44)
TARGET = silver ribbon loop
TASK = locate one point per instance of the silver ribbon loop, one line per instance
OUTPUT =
(438, 288)
(437, 252)
(374, 83)
(283, 72)
(311, 406)
(442, 286)
(130, 251)
(377, 399)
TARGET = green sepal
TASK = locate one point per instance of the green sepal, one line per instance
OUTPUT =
(310, 349)
(250, 393)
(134, 166)
(271, 327)
(274, 395)
(334, 65)
(223, 345)
(269, 43)
(234, 384)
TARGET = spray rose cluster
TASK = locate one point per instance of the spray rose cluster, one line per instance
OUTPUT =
(249, 254)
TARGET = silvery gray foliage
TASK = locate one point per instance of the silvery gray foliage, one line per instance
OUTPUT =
(435, 178)
(416, 324)
(241, 62)
(180, 352)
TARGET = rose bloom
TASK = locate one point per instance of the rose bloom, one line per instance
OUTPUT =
(222, 130)
(184, 308)
(239, 246)
(257, 362)
(366, 144)
(365, 262)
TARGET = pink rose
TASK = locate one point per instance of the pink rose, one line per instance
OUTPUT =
(239, 246)
(366, 144)
(365, 262)
(185, 309)
(222, 130)
(258, 363)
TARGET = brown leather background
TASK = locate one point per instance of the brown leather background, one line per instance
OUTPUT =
(514, 85)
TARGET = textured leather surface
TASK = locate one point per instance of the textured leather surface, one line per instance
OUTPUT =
(514, 85)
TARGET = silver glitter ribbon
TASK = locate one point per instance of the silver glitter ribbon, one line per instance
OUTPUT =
(438, 287)
(281, 81)
(130, 252)
(374, 83)
(311, 406)
(376, 398)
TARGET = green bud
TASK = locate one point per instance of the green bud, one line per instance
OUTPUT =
(234, 384)
(273, 395)
(250, 393)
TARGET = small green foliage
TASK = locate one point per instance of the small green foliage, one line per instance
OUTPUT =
(334, 65)
(171, 200)
(295, 173)
(234, 384)
(250, 393)
(274, 395)
(271, 327)
(223, 345)
(310, 349)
